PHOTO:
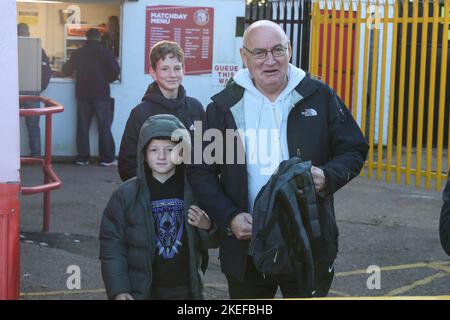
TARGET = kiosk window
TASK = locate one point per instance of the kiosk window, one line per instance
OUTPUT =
(62, 26)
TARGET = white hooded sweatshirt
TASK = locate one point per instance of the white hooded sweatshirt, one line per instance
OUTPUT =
(265, 129)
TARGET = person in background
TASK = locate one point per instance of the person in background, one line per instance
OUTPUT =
(32, 123)
(444, 222)
(111, 38)
(95, 68)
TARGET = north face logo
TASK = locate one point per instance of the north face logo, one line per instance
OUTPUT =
(310, 112)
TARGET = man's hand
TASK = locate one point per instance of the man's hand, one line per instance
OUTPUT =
(241, 226)
(319, 178)
(123, 296)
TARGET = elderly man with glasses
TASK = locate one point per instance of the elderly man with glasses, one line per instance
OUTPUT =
(281, 113)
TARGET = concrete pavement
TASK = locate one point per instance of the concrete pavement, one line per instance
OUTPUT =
(388, 226)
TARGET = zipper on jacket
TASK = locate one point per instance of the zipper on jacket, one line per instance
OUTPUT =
(149, 267)
(152, 249)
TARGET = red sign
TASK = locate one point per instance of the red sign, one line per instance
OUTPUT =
(191, 27)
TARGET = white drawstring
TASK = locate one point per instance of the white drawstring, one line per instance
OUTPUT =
(258, 121)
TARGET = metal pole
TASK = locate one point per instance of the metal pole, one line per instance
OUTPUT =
(48, 164)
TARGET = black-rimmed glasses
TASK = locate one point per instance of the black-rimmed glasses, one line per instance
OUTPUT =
(277, 51)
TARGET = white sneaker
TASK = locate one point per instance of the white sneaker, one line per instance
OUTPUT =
(108, 164)
(82, 163)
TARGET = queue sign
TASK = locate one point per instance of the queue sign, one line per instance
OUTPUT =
(191, 27)
(222, 73)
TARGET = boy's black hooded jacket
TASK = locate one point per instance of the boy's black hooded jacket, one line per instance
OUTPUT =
(127, 231)
(185, 108)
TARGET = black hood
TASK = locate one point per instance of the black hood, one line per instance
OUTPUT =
(160, 125)
(155, 95)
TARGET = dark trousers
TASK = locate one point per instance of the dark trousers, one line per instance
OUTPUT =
(256, 286)
(102, 109)
(32, 123)
(171, 293)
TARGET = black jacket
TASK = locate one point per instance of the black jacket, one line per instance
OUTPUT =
(444, 223)
(185, 108)
(95, 68)
(331, 140)
(286, 229)
(127, 232)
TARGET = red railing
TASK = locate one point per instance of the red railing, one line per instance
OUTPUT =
(51, 180)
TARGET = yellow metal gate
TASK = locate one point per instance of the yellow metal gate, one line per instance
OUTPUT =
(388, 61)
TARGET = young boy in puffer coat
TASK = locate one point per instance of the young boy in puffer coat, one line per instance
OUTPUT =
(153, 241)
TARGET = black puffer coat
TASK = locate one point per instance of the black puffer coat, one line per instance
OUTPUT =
(127, 232)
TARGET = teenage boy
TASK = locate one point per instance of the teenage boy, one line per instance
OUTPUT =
(147, 250)
(165, 95)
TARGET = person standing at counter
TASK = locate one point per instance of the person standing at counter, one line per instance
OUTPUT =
(32, 122)
(95, 68)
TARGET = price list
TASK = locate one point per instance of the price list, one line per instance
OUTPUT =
(190, 27)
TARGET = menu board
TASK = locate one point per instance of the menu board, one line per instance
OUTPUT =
(191, 27)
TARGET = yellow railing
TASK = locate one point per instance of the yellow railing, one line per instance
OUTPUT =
(394, 82)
